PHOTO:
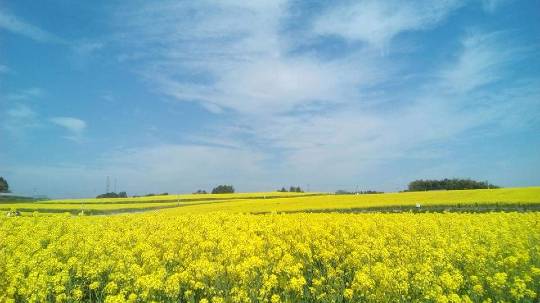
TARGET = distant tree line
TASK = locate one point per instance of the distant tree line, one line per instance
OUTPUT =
(121, 194)
(223, 189)
(4, 186)
(448, 184)
(220, 189)
(292, 189)
(362, 192)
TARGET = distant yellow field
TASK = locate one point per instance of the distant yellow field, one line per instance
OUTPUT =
(505, 196)
(289, 202)
(176, 198)
(97, 208)
(45, 207)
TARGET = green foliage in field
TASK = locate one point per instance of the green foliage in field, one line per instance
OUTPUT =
(223, 189)
(448, 184)
(4, 186)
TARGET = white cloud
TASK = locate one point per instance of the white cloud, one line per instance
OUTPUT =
(236, 58)
(377, 22)
(15, 25)
(278, 85)
(74, 126)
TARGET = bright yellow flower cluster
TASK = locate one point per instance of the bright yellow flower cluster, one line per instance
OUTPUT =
(219, 257)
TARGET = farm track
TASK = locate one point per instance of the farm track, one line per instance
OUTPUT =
(92, 212)
(124, 201)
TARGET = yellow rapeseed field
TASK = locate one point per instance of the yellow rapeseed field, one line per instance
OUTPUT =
(105, 208)
(490, 198)
(176, 198)
(223, 257)
(507, 198)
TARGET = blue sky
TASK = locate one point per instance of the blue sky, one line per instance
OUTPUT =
(174, 96)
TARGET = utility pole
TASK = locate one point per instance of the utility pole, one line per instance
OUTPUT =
(108, 185)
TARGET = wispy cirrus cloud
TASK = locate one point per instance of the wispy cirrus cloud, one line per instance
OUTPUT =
(492, 5)
(483, 60)
(377, 22)
(234, 65)
(15, 25)
(81, 49)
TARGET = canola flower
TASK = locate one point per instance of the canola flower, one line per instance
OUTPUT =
(221, 257)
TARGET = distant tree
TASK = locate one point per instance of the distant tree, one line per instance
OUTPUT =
(295, 189)
(4, 186)
(223, 189)
(200, 192)
(448, 184)
(122, 194)
(343, 192)
(292, 189)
